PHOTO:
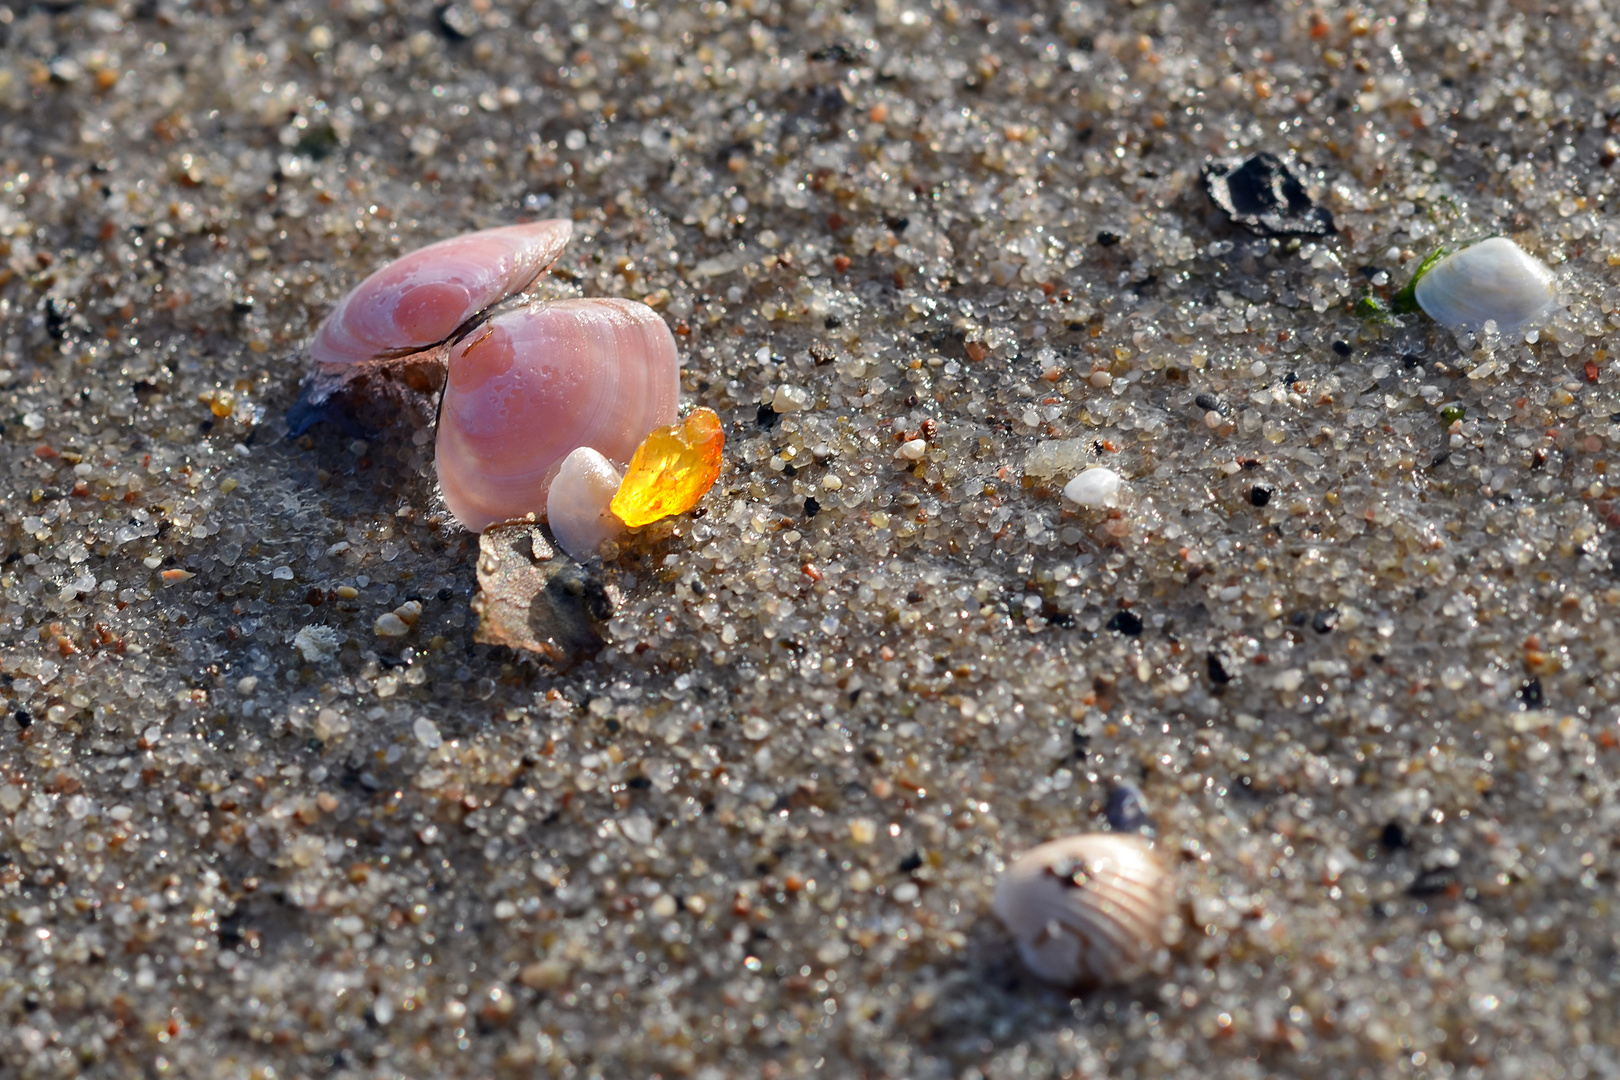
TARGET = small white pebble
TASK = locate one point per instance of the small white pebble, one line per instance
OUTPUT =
(790, 399)
(1101, 379)
(1097, 487)
(831, 483)
(390, 625)
(914, 449)
(282, 573)
(906, 892)
(427, 733)
(409, 612)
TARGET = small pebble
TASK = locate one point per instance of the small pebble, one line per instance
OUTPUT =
(390, 625)
(1096, 487)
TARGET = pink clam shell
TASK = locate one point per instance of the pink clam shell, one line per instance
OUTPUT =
(531, 385)
(420, 300)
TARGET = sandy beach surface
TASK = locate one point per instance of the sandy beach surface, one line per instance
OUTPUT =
(1351, 629)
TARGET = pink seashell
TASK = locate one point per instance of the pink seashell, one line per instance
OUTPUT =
(529, 386)
(420, 300)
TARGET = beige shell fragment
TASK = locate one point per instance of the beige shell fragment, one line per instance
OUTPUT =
(1087, 910)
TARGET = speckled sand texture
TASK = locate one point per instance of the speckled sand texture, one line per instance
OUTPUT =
(1351, 629)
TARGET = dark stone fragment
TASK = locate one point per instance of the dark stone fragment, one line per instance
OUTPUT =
(1409, 361)
(1259, 495)
(24, 720)
(1107, 239)
(1126, 809)
(1217, 670)
(897, 225)
(1325, 620)
(832, 322)
(1210, 403)
(812, 507)
(1394, 837)
(1530, 694)
(839, 52)
(445, 593)
(911, 862)
(1342, 348)
(1434, 882)
(55, 319)
(1128, 623)
(766, 417)
(1263, 196)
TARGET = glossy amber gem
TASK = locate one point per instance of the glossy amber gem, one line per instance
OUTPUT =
(672, 469)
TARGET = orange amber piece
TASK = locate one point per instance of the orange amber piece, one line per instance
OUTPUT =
(673, 468)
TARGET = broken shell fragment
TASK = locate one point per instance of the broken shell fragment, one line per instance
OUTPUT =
(1494, 280)
(1087, 910)
(577, 507)
(530, 386)
(1264, 196)
(421, 299)
(1097, 486)
(673, 468)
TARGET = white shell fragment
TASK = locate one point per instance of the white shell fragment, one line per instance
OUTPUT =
(577, 506)
(1097, 487)
(1086, 910)
(1494, 280)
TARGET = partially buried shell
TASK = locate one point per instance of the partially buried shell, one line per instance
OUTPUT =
(1494, 280)
(1086, 910)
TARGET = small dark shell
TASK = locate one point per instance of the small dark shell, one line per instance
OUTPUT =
(1263, 196)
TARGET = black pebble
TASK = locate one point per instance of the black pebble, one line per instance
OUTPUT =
(1210, 403)
(1530, 693)
(911, 862)
(1342, 348)
(832, 322)
(811, 507)
(445, 593)
(1410, 361)
(1394, 837)
(766, 417)
(1259, 495)
(1107, 239)
(24, 721)
(1263, 196)
(1325, 620)
(1128, 623)
(1217, 670)
(1126, 809)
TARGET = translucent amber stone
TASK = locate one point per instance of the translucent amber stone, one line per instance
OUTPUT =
(672, 469)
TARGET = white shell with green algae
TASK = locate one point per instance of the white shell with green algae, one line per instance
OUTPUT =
(1494, 280)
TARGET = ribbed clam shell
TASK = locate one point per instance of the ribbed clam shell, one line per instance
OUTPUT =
(1493, 280)
(530, 385)
(578, 506)
(1086, 910)
(420, 300)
